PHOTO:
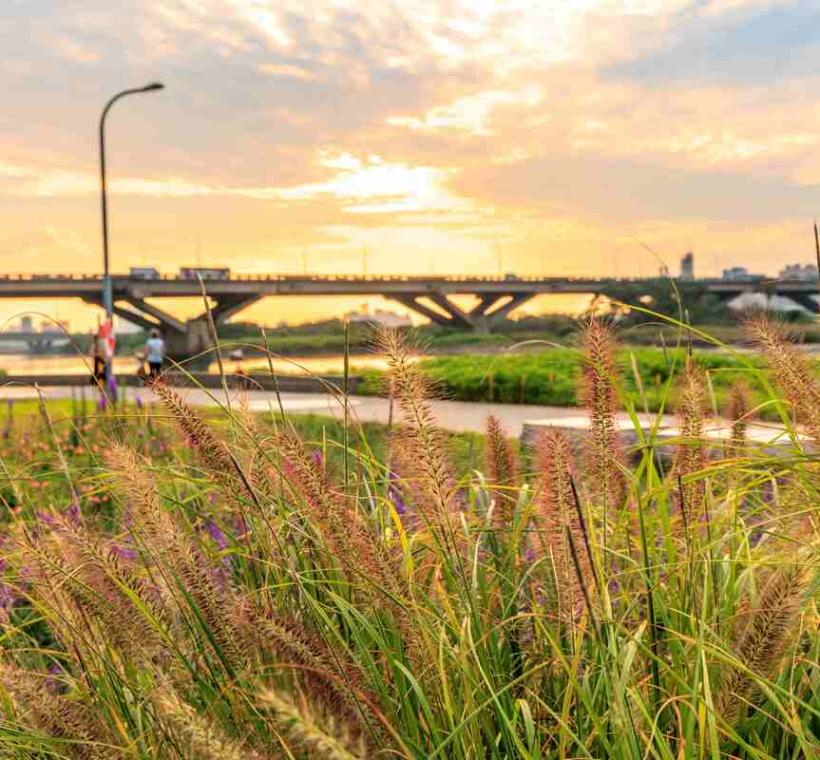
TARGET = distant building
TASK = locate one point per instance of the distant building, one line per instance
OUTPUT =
(739, 274)
(380, 317)
(26, 324)
(801, 272)
(687, 267)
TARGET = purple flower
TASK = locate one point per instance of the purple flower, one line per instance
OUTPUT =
(73, 513)
(7, 600)
(121, 551)
(113, 386)
(47, 518)
(102, 402)
(139, 402)
(318, 459)
(395, 495)
(216, 533)
(396, 498)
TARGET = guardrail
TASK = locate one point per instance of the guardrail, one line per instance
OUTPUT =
(376, 279)
(372, 278)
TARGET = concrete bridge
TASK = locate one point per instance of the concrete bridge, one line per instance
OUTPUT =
(432, 297)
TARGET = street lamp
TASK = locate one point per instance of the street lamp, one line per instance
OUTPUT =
(108, 290)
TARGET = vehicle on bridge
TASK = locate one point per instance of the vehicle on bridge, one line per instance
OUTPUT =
(145, 273)
(206, 273)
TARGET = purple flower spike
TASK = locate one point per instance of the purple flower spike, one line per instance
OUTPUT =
(102, 402)
(7, 599)
(46, 518)
(395, 495)
(139, 402)
(216, 533)
(123, 552)
(113, 387)
(318, 459)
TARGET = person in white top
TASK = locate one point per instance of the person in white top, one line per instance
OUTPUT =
(154, 353)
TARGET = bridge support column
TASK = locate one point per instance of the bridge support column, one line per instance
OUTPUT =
(227, 306)
(487, 311)
(457, 316)
(193, 345)
(412, 302)
(806, 300)
(480, 317)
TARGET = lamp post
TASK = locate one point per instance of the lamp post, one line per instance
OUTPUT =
(108, 290)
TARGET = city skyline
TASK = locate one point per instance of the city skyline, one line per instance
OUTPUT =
(591, 138)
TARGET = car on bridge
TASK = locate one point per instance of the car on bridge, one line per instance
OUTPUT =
(144, 273)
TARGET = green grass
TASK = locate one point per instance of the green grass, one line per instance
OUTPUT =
(550, 377)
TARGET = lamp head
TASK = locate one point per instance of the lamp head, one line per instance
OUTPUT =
(153, 86)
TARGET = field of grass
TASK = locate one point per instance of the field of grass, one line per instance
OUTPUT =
(551, 376)
(183, 584)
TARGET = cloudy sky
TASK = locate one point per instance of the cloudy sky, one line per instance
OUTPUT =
(551, 136)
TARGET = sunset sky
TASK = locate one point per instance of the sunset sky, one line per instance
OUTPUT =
(569, 137)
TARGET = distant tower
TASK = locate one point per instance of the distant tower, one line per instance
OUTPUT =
(26, 324)
(687, 267)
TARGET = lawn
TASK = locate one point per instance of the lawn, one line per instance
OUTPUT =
(550, 376)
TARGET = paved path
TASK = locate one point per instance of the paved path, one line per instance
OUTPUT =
(458, 416)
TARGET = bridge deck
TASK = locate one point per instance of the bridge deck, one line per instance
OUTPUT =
(125, 286)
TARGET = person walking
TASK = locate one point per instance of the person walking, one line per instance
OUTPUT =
(154, 353)
(98, 354)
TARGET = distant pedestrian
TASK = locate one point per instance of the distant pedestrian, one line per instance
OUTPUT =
(154, 353)
(99, 354)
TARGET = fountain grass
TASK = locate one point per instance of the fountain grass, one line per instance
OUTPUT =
(231, 584)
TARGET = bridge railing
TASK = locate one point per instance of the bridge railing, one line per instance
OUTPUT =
(388, 278)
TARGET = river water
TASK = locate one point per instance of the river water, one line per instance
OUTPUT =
(332, 364)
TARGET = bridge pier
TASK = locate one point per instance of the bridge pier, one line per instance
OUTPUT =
(489, 309)
(480, 317)
(806, 300)
(192, 345)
